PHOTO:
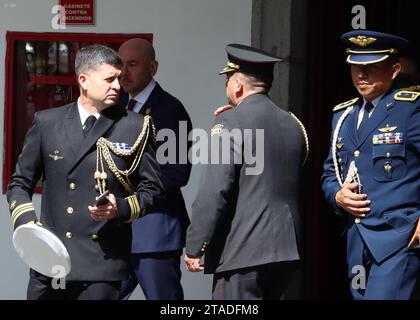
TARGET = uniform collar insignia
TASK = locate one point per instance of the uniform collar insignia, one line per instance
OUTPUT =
(390, 104)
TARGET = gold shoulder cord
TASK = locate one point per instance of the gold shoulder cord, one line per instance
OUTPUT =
(305, 135)
(105, 148)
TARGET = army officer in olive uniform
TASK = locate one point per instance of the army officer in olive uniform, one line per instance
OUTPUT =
(245, 218)
(79, 151)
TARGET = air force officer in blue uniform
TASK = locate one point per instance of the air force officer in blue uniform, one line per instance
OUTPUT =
(372, 173)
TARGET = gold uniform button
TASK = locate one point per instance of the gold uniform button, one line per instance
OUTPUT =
(357, 220)
(357, 153)
(70, 210)
(95, 237)
(72, 186)
(69, 235)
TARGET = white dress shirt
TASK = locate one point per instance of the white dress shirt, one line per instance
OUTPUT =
(142, 97)
(84, 114)
(362, 110)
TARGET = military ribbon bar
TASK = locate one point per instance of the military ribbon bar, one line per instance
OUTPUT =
(388, 138)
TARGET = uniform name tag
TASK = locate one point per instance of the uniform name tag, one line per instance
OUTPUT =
(388, 138)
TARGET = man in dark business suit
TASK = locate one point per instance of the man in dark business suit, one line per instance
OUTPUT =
(158, 240)
(245, 218)
(61, 146)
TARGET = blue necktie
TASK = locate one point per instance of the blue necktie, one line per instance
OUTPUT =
(368, 108)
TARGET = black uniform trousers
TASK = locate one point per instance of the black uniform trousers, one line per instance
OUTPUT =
(41, 287)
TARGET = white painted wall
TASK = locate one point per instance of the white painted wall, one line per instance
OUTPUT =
(189, 38)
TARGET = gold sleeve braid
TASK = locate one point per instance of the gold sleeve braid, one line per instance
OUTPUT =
(20, 210)
(106, 148)
(135, 208)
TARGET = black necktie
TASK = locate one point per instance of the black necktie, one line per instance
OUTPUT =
(368, 109)
(90, 121)
(131, 104)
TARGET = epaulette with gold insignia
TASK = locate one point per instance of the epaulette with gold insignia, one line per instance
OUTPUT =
(346, 104)
(412, 88)
(409, 96)
(222, 109)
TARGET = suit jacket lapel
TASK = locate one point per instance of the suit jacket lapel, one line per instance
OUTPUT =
(73, 128)
(349, 127)
(153, 99)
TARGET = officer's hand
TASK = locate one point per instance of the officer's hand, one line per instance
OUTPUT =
(106, 211)
(355, 204)
(415, 239)
(193, 263)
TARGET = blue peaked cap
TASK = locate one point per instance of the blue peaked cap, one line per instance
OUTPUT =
(367, 47)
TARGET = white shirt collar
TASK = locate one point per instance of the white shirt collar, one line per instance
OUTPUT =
(362, 110)
(374, 102)
(142, 97)
(84, 114)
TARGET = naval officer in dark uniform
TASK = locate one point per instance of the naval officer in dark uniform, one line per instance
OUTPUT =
(372, 173)
(80, 150)
(245, 217)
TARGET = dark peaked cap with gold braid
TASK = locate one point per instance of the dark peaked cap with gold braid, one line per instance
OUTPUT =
(367, 47)
(249, 60)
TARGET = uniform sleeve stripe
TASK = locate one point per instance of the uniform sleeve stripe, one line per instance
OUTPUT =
(135, 208)
(20, 210)
(22, 207)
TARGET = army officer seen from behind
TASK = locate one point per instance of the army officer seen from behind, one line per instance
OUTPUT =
(80, 150)
(372, 174)
(246, 222)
